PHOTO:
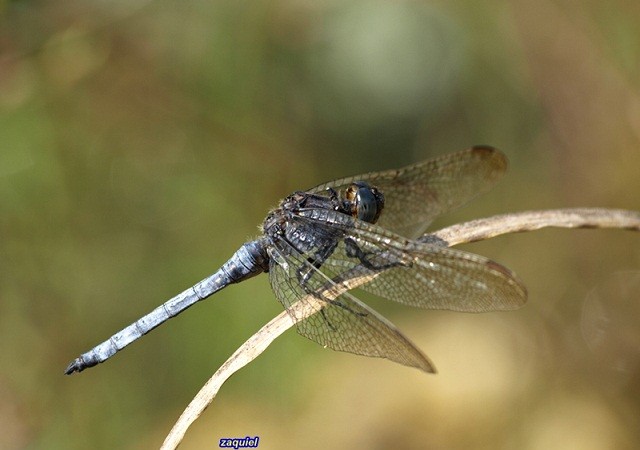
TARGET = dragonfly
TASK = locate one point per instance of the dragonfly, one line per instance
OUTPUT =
(371, 224)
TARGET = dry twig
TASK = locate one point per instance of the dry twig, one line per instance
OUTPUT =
(480, 229)
(472, 231)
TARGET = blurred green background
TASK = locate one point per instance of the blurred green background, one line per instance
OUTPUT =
(141, 142)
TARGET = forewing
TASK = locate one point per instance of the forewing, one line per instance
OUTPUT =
(344, 323)
(416, 194)
(418, 274)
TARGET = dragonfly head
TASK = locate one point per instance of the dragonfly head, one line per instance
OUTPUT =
(364, 201)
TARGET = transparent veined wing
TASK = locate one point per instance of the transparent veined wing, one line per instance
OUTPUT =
(417, 274)
(416, 194)
(343, 323)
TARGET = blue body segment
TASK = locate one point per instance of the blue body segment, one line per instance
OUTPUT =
(248, 261)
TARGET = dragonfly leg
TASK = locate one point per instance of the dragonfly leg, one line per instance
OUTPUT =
(326, 320)
(345, 307)
(339, 305)
(304, 274)
(318, 295)
(354, 251)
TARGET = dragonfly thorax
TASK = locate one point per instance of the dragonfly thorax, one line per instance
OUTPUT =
(285, 223)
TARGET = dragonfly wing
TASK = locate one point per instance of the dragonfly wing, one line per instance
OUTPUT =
(343, 323)
(416, 194)
(420, 274)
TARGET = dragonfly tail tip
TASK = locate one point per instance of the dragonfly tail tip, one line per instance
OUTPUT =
(75, 366)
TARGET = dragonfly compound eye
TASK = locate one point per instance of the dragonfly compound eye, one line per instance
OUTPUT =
(366, 201)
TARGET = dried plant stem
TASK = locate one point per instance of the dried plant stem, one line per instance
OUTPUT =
(480, 229)
(240, 358)
(253, 347)
(472, 231)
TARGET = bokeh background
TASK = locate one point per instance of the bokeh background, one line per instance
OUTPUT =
(141, 142)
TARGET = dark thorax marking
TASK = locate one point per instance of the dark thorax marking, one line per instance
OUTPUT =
(361, 201)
